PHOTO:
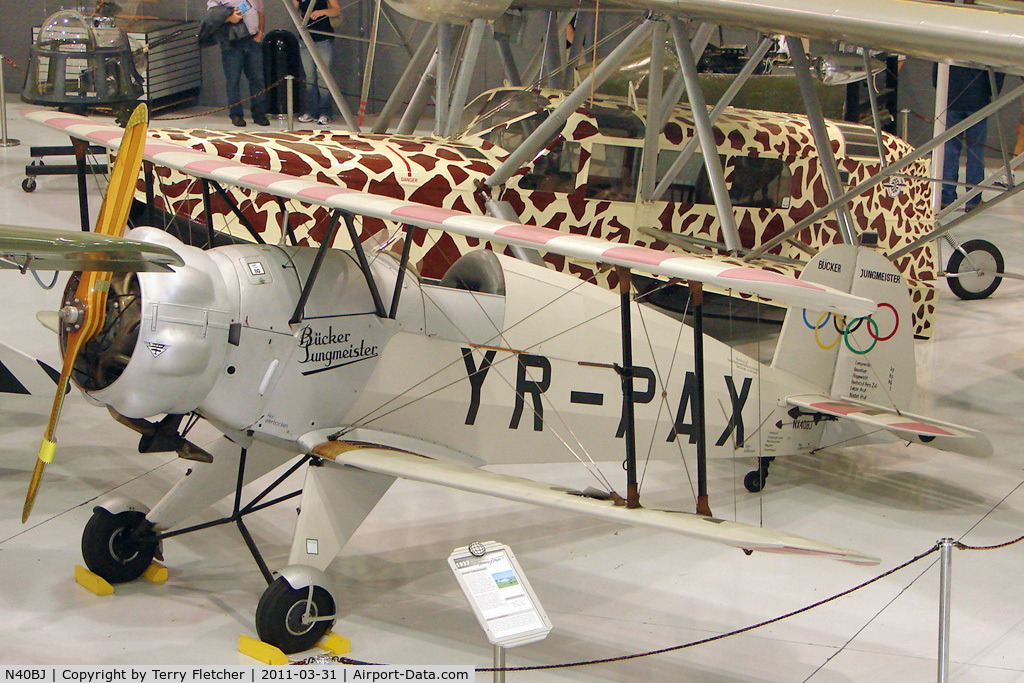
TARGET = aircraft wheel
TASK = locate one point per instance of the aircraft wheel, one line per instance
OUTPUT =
(110, 548)
(979, 267)
(28, 184)
(281, 615)
(754, 481)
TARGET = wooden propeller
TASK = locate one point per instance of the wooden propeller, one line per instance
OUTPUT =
(84, 317)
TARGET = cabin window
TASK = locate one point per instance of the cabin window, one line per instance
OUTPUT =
(492, 109)
(756, 182)
(555, 169)
(690, 185)
(509, 137)
(760, 182)
(614, 122)
(614, 172)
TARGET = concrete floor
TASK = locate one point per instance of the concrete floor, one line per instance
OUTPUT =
(610, 590)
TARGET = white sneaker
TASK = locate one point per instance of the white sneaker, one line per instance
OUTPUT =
(306, 118)
(323, 120)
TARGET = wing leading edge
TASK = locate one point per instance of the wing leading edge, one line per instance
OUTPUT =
(43, 249)
(396, 463)
(668, 264)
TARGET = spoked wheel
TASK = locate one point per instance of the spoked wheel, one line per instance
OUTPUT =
(294, 619)
(112, 548)
(980, 263)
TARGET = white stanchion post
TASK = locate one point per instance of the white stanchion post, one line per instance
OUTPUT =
(4, 140)
(499, 664)
(289, 120)
(945, 579)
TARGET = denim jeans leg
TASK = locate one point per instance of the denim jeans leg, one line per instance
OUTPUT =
(312, 92)
(951, 157)
(325, 50)
(231, 59)
(977, 136)
(254, 74)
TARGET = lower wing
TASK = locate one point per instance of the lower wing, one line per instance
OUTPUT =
(398, 463)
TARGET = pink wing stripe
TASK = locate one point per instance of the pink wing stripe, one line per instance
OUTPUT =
(323, 193)
(265, 179)
(62, 121)
(527, 233)
(841, 408)
(207, 165)
(429, 213)
(154, 148)
(646, 256)
(753, 275)
(923, 428)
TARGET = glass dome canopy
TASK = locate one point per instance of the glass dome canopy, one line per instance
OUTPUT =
(77, 60)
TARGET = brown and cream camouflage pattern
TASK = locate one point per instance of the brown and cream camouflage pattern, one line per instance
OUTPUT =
(450, 173)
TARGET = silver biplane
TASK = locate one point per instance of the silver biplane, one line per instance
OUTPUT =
(369, 373)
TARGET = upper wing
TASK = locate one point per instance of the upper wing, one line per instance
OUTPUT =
(942, 435)
(396, 463)
(669, 264)
(42, 249)
(942, 31)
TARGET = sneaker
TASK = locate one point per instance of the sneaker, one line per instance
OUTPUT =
(324, 120)
(238, 121)
(261, 120)
(306, 118)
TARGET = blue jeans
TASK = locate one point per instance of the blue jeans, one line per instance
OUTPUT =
(975, 138)
(244, 56)
(317, 103)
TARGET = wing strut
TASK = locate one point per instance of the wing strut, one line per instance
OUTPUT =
(697, 294)
(364, 265)
(238, 212)
(402, 264)
(626, 376)
(325, 244)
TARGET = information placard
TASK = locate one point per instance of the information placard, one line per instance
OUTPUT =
(501, 597)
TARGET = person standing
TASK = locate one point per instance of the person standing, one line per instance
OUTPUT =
(969, 91)
(242, 52)
(318, 104)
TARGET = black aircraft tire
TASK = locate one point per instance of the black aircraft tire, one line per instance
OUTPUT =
(108, 550)
(754, 481)
(982, 254)
(279, 613)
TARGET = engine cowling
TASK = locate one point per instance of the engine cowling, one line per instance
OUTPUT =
(164, 338)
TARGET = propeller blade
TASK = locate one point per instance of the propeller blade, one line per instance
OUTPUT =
(50, 320)
(91, 293)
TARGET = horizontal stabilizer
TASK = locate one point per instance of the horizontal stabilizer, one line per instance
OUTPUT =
(44, 249)
(406, 465)
(725, 274)
(942, 435)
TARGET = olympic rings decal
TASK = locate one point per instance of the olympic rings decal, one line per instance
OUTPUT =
(845, 329)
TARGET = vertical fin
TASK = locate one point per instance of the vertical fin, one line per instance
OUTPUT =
(870, 359)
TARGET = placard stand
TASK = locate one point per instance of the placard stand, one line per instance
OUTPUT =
(505, 605)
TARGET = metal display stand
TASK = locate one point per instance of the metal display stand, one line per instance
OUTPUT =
(502, 600)
(4, 140)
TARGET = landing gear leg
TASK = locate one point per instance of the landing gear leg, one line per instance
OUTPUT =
(755, 479)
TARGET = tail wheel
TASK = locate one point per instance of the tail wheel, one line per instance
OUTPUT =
(977, 264)
(294, 619)
(112, 548)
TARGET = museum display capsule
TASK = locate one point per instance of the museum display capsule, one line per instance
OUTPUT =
(79, 61)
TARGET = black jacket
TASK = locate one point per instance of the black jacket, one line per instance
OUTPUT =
(217, 30)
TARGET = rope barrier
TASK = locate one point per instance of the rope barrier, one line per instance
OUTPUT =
(225, 107)
(335, 659)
